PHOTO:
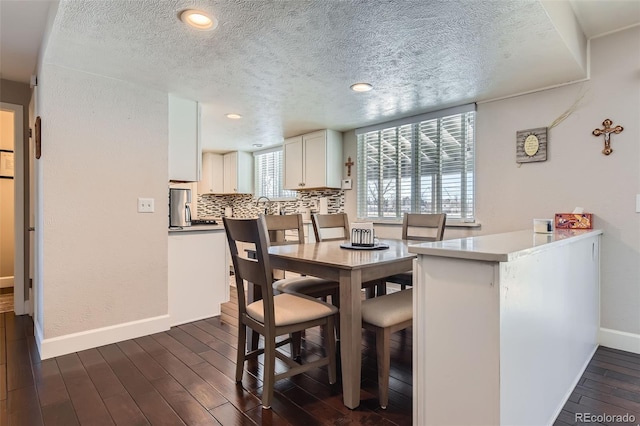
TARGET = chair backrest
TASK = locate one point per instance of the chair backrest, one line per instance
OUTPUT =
(257, 271)
(331, 223)
(278, 225)
(423, 227)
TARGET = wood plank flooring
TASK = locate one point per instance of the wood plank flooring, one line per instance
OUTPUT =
(185, 376)
(609, 386)
(182, 376)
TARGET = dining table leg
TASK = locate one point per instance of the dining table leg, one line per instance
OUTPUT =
(351, 335)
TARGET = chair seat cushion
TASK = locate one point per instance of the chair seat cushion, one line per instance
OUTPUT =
(292, 309)
(385, 311)
(305, 285)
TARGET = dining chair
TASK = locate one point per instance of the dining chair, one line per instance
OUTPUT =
(289, 229)
(332, 227)
(273, 315)
(280, 229)
(385, 315)
(419, 227)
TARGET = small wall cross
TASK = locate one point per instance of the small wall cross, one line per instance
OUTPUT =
(607, 134)
(349, 163)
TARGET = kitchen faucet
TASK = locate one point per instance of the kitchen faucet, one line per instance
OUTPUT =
(266, 207)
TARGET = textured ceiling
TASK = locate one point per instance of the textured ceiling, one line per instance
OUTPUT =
(286, 66)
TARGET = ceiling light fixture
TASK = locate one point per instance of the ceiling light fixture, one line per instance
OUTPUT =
(234, 116)
(198, 20)
(257, 145)
(361, 87)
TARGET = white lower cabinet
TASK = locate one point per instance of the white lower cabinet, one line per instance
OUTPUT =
(198, 275)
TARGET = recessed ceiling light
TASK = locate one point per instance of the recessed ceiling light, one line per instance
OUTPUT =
(361, 87)
(257, 145)
(199, 20)
(234, 116)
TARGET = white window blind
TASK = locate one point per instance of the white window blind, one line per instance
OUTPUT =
(419, 165)
(269, 175)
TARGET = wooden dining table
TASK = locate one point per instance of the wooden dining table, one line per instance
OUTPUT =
(350, 268)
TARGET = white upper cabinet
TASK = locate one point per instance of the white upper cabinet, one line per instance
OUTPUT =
(313, 160)
(184, 140)
(238, 173)
(231, 173)
(212, 174)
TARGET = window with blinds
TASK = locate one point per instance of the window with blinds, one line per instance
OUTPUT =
(423, 164)
(269, 179)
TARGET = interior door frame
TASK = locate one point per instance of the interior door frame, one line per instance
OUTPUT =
(18, 200)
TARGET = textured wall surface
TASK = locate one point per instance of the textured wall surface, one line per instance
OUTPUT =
(576, 173)
(104, 144)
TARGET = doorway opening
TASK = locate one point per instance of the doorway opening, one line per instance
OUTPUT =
(12, 282)
(7, 209)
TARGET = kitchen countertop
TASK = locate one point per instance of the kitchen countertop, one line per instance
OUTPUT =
(207, 228)
(501, 247)
(198, 228)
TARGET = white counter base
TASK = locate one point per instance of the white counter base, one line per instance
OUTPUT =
(198, 274)
(503, 342)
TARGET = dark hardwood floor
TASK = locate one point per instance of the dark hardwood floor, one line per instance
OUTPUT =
(185, 376)
(182, 376)
(609, 386)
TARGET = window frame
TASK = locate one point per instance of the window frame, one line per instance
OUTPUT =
(283, 194)
(465, 168)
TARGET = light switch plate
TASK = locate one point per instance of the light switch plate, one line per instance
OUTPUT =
(637, 203)
(146, 205)
(346, 184)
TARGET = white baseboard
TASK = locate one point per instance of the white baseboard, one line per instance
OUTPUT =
(6, 282)
(76, 342)
(621, 340)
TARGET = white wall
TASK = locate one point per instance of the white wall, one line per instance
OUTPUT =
(104, 144)
(576, 173)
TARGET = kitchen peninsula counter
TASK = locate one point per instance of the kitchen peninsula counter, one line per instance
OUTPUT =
(504, 325)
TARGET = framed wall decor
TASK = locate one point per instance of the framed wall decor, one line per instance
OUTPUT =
(531, 145)
(38, 137)
(7, 164)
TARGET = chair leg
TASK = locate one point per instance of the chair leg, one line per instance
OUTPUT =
(381, 288)
(335, 300)
(370, 292)
(255, 338)
(240, 356)
(383, 353)
(296, 343)
(269, 371)
(331, 348)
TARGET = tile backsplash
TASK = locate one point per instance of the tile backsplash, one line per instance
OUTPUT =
(244, 206)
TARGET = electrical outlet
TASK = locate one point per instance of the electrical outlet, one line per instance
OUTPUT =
(145, 205)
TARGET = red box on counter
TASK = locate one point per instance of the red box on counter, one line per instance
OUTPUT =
(574, 221)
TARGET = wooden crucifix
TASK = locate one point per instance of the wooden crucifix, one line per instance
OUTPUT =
(349, 163)
(607, 134)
